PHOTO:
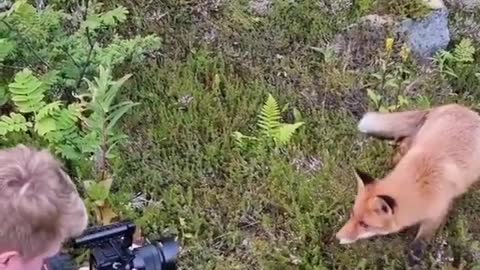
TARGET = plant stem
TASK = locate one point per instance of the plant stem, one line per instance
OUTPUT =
(90, 51)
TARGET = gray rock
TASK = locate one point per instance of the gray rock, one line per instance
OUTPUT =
(429, 35)
(5, 5)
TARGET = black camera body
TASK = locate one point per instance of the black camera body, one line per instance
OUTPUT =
(110, 249)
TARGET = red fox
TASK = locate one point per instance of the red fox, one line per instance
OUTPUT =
(438, 162)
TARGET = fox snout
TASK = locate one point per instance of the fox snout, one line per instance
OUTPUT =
(346, 234)
(343, 240)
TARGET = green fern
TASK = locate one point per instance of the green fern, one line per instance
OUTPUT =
(269, 118)
(464, 51)
(270, 127)
(453, 63)
(49, 110)
(284, 133)
(27, 91)
(13, 123)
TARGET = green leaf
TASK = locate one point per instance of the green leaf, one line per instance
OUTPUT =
(297, 115)
(4, 96)
(48, 109)
(92, 22)
(113, 91)
(3, 128)
(110, 17)
(284, 133)
(115, 115)
(96, 192)
(27, 91)
(269, 118)
(464, 51)
(45, 125)
(13, 123)
(373, 97)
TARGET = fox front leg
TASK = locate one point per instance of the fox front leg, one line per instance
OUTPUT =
(424, 235)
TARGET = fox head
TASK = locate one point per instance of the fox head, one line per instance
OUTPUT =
(372, 213)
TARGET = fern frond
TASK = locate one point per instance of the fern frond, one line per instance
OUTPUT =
(269, 118)
(27, 91)
(48, 110)
(464, 51)
(45, 125)
(283, 134)
(13, 123)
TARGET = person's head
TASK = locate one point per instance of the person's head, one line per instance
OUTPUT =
(39, 208)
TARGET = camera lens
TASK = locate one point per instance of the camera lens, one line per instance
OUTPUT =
(158, 256)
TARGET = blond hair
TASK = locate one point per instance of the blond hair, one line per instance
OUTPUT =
(39, 203)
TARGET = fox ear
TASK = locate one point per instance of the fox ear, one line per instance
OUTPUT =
(363, 178)
(387, 204)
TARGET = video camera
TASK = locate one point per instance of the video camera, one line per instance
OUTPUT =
(110, 249)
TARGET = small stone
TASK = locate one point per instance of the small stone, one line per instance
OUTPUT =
(435, 4)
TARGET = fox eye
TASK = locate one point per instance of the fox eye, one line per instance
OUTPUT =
(363, 224)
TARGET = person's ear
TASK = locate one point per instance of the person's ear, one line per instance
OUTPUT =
(6, 258)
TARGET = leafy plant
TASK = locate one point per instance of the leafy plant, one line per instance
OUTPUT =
(84, 130)
(270, 127)
(450, 63)
(459, 66)
(391, 78)
(56, 87)
(70, 43)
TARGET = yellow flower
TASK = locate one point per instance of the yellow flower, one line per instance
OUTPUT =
(389, 44)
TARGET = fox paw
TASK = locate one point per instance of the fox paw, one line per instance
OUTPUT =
(416, 252)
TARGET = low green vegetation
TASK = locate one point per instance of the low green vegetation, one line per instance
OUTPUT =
(235, 121)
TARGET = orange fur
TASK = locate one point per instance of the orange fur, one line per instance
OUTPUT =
(437, 161)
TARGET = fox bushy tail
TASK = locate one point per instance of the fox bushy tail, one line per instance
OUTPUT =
(392, 126)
